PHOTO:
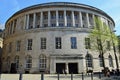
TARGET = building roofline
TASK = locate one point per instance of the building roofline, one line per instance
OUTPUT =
(61, 4)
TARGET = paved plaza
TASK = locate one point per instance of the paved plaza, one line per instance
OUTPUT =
(54, 77)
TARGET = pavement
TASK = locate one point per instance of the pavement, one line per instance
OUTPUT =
(55, 77)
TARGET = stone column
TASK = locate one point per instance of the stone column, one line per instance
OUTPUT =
(57, 22)
(41, 19)
(80, 20)
(93, 16)
(13, 26)
(73, 19)
(34, 19)
(66, 68)
(88, 25)
(25, 18)
(49, 16)
(65, 18)
(27, 21)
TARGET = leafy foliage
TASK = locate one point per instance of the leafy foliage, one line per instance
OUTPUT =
(100, 35)
(119, 44)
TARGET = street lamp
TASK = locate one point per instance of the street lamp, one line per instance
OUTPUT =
(114, 49)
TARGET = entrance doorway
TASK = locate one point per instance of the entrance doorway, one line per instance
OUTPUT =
(13, 68)
(73, 68)
(60, 67)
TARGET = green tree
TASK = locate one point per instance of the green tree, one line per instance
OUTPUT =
(101, 37)
(119, 44)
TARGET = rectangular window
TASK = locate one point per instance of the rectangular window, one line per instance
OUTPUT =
(73, 43)
(58, 42)
(76, 16)
(45, 16)
(53, 16)
(30, 27)
(99, 44)
(29, 47)
(61, 24)
(45, 25)
(68, 24)
(100, 61)
(43, 43)
(61, 16)
(87, 43)
(18, 45)
(76, 25)
(38, 26)
(10, 47)
(53, 25)
(108, 45)
(68, 16)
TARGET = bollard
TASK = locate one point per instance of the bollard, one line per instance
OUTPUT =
(42, 76)
(82, 76)
(58, 76)
(99, 75)
(71, 76)
(20, 77)
(91, 76)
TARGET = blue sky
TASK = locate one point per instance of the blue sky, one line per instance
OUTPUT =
(9, 7)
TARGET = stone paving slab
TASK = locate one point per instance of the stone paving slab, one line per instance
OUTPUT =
(31, 77)
(46, 77)
(9, 77)
(54, 77)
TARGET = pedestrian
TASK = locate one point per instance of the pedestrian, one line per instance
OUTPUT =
(65, 71)
(108, 73)
(117, 71)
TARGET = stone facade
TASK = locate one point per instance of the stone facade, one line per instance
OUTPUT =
(1, 45)
(50, 38)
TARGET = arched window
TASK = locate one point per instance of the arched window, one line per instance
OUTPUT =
(100, 61)
(110, 61)
(28, 62)
(89, 61)
(42, 62)
(17, 61)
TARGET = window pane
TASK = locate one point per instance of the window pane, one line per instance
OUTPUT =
(29, 44)
(17, 62)
(108, 45)
(89, 62)
(42, 62)
(100, 61)
(58, 42)
(43, 43)
(73, 43)
(28, 62)
(87, 43)
(18, 45)
(110, 61)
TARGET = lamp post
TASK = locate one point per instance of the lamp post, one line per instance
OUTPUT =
(114, 49)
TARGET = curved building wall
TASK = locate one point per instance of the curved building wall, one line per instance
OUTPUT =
(51, 38)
